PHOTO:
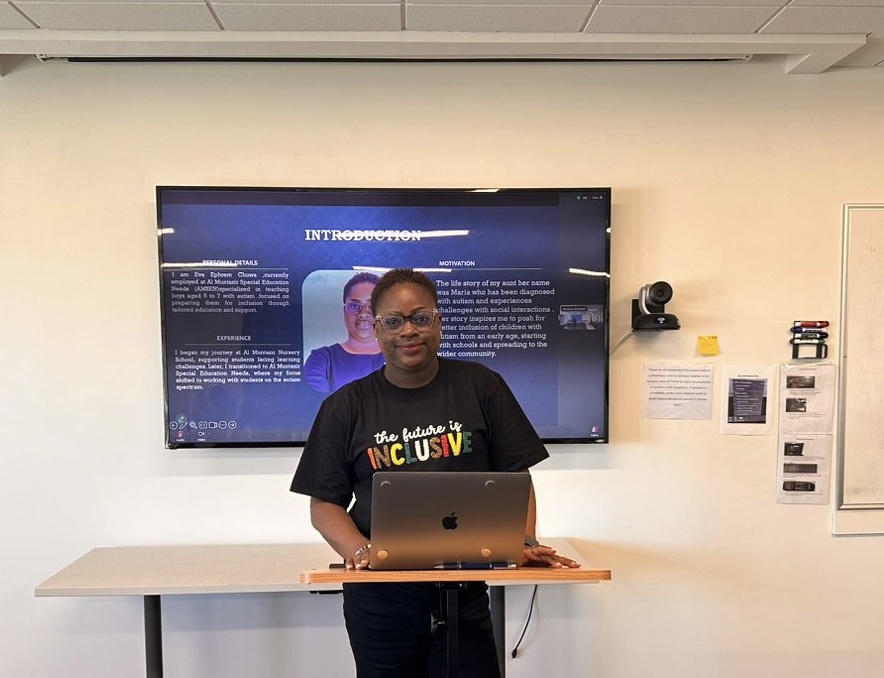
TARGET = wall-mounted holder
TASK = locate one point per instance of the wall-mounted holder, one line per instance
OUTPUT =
(648, 311)
(809, 339)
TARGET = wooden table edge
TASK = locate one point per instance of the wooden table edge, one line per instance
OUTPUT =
(520, 575)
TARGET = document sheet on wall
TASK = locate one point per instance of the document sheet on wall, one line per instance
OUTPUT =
(677, 391)
(807, 415)
(747, 396)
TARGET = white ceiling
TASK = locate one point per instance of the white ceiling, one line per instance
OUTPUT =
(811, 35)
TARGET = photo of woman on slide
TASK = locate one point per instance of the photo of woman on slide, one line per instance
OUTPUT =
(327, 368)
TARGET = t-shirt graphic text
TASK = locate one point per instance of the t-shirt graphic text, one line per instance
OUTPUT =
(419, 444)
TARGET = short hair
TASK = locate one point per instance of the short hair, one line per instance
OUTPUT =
(364, 277)
(396, 276)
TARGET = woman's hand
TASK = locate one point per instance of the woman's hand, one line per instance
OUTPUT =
(359, 560)
(338, 529)
(545, 556)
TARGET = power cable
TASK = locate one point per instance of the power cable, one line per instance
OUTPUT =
(527, 621)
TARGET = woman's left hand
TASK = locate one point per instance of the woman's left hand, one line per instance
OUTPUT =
(545, 556)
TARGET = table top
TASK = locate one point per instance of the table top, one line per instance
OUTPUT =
(260, 568)
(189, 569)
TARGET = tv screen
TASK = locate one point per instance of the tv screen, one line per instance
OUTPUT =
(264, 300)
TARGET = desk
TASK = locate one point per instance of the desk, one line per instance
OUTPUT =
(155, 571)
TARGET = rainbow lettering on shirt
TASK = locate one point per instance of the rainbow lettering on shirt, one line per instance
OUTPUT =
(419, 444)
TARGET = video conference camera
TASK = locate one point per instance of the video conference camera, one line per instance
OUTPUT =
(648, 311)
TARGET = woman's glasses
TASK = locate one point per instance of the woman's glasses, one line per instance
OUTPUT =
(356, 307)
(392, 323)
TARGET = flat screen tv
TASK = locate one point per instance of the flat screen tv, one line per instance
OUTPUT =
(264, 290)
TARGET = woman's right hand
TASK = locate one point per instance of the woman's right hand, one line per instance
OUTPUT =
(360, 559)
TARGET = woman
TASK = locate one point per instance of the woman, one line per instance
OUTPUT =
(329, 367)
(389, 624)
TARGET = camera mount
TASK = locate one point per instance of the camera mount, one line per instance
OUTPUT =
(648, 310)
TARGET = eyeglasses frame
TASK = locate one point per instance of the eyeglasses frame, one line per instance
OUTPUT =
(362, 306)
(407, 318)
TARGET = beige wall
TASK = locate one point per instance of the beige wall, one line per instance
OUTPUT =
(726, 178)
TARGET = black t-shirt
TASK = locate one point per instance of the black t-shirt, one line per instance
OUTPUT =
(466, 419)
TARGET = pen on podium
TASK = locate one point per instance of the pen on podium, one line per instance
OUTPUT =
(476, 566)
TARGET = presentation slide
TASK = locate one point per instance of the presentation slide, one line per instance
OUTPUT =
(260, 310)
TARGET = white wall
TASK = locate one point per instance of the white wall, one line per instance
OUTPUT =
(726, 178)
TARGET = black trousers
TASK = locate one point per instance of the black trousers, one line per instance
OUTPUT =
(391, 633)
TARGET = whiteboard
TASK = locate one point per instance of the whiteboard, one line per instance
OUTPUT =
(861, 410)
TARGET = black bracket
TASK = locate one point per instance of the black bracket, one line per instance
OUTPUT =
(818, 351)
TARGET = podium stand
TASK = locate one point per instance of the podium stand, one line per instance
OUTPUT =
(449, 580)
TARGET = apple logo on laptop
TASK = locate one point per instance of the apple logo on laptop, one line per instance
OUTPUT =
(449, 522)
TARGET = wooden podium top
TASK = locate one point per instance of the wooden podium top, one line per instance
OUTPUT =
(494, 577)
(501, 577)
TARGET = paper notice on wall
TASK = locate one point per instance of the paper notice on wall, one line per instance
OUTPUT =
(807, 398)
(807, 416)
(677, 391)
(747, 400)
(804, 464)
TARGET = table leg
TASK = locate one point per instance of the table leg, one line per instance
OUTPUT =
(153, 636)
(498, 622)
(447, 621)
(451, 616)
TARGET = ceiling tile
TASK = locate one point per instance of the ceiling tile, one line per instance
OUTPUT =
(634, 19)
(317, 3)
(550, 5)
(299, 17)
(10, 19)
(126, 15)
(495, 18)
(837, 3)
(828, 20)
(773, 4)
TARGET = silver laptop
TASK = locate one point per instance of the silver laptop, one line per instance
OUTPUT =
(423, 520)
